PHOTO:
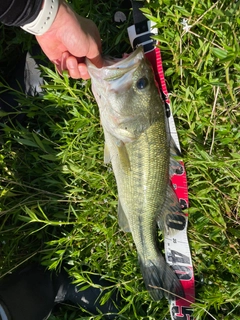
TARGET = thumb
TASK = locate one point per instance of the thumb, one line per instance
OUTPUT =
(82, 67)
(97, 61)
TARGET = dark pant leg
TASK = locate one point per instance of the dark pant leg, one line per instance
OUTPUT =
(28, 294)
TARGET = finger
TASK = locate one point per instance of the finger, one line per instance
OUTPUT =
(61, 63)
(83, 71)
(97, 61)
(64, 58)
(72, 67)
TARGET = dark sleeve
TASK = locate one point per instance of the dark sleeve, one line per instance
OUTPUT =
(19, 12)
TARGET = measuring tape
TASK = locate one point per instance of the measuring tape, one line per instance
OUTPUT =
(177, 251)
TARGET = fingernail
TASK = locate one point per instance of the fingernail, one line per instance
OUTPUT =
(83, 71)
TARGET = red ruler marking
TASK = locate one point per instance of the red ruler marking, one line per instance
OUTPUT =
(156, 61)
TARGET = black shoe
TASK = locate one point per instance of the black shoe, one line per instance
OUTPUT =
(90, 298)
(31, 294)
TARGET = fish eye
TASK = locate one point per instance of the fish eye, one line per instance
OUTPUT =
(142, 83)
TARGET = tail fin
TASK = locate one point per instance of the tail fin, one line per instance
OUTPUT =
(159, 279)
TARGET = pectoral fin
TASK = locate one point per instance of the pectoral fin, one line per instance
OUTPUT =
(123, 156)
(122, 219)
(107, 158)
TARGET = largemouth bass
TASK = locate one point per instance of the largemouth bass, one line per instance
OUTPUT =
(137, 144)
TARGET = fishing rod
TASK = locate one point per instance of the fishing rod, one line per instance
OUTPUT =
(177, 250)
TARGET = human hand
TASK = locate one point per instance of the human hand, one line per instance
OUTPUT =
(69, 40)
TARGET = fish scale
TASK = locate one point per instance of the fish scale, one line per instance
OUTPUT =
(138, 146)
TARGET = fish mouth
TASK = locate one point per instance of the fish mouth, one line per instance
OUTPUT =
(115, 69)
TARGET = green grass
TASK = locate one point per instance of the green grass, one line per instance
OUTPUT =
(58, 199)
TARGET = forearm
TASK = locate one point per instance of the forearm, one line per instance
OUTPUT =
(19, 12)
